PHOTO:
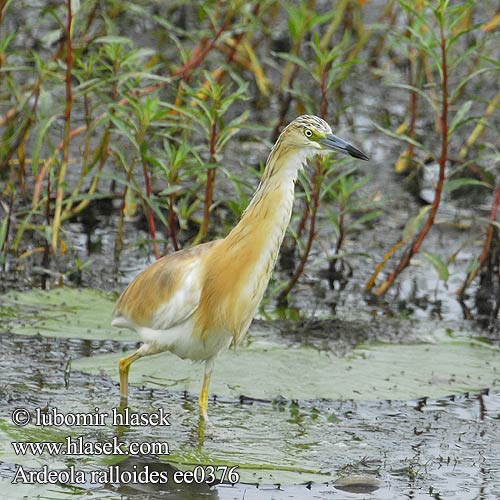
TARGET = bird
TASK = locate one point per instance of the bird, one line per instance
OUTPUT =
(198, 301)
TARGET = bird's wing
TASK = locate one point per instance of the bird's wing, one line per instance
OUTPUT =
(165, 294)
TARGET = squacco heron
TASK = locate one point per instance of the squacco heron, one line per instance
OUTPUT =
(196, 302)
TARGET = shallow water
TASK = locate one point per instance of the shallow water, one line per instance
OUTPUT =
(446, 447)
(296, 442)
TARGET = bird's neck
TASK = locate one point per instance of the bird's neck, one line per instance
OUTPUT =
(238, 273)
(268, 213)
(282, 167)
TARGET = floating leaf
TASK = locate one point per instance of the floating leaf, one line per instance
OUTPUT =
(372, 372)
(62, 312)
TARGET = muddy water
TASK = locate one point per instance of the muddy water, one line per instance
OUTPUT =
(303, 449)
(428, 448)
(308, 448)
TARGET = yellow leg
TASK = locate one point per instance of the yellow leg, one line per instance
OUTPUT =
(124, 366)
(203, 400)
(202, 425)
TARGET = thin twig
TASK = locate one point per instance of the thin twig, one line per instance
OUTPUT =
(209, 191)
(67, 132)
(418, 240)
(486, 246)
(151, 220)
(281, 297)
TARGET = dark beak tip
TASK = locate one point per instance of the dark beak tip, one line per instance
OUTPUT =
(335, 143)
(357, 153)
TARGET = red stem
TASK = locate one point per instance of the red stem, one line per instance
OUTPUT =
(151, 220)
(209, 193)
(491, 228)
(317, 182)
(417, 242)
(490, 231)
(3, 3)
(201, 54)
(171, 222)
(310, 238)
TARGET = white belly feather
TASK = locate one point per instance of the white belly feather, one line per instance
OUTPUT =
(184, 342)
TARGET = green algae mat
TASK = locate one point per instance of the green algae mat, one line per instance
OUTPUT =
(268, 365)
(282, 410)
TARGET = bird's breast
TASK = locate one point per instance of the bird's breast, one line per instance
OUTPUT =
(240, 268)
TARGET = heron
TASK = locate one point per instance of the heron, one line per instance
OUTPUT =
(198, 301)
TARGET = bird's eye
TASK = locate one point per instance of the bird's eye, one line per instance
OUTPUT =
(308, 132)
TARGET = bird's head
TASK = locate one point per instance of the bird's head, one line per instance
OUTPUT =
(314, 136)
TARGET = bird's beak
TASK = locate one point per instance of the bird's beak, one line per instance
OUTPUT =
(337, 144)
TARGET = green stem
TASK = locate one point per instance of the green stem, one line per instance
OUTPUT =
(56, 223)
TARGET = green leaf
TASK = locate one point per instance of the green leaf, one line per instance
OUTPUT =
(293, 59)
(474, 263)
(51, 37)
(151, 202)
(458, 89)
(3, 233)
(452, 184)
(413, 225)
(420, 92)
(365, 218)
(440, 266)
(459, 116)
(43, 128)
(125, 129)
(112, 39)
(75, 6)
(402, 137)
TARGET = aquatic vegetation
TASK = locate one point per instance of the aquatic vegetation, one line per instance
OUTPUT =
(151, 112)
